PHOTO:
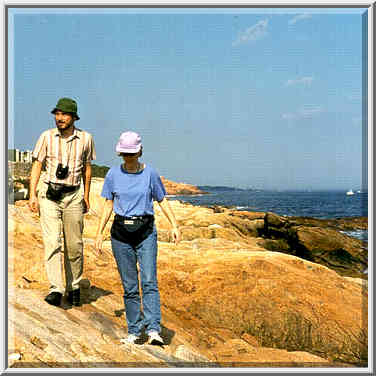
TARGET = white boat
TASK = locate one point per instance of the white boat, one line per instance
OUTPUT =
(350, 192)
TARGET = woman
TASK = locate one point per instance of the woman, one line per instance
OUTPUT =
(129, 190)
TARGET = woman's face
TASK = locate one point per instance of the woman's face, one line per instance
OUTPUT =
(131, 157)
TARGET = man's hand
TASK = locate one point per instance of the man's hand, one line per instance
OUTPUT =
(98, 244)
(33, 204)
(34, 179)
(86, 204)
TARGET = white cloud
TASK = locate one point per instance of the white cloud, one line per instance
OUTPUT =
(306, 81)
(310, 111)
(299, 17)
(253, 33)
(306, 112)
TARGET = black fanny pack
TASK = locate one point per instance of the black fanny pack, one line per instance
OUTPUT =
(132, 230)
(55, 191)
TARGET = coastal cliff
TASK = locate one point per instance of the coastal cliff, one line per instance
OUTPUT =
(242, 289)
(173, 188)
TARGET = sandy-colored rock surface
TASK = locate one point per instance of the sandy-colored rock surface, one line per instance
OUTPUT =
(226, 301)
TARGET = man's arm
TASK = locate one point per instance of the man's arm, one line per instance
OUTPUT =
(34, 179)
(87, 181)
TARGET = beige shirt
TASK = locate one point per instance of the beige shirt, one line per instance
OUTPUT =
(76, 150)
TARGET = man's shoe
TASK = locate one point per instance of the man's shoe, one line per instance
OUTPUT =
(155, 338)
(74, 297)
(54, 298)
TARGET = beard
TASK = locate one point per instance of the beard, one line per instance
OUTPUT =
(63, 126)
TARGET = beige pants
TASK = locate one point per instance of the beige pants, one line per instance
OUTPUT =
(62, 220)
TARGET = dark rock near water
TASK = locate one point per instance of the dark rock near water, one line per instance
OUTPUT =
(344, 224)
(319, 241)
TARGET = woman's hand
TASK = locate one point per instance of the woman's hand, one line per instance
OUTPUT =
(98, 244)
(165, 206)
(175, 235)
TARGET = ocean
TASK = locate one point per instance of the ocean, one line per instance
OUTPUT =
(317, 204)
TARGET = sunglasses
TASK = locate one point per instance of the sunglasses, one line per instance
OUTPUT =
(128, 154)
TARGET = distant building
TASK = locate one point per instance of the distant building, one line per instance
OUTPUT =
(16, 155)
(26, 156)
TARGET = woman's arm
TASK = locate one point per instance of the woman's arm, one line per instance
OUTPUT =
(104, 217)
(166, 208)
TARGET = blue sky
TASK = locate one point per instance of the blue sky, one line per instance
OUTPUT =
(263, 98)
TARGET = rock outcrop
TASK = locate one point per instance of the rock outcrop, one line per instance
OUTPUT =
(318, 241)
(227, 301)
(174, 188)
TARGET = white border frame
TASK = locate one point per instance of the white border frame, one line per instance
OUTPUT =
(211, 3)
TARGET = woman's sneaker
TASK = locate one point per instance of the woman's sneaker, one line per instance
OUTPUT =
(131, 338)
(155, 338)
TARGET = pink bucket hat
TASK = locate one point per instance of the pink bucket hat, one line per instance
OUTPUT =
(129, 142)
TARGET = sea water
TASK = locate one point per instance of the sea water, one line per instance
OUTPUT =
(317, 204)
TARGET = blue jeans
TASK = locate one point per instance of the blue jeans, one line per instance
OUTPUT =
(126, 257)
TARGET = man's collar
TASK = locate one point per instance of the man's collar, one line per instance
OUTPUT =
(75, 133)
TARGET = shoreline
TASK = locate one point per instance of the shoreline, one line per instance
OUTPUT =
(323, 206)
(247, 209)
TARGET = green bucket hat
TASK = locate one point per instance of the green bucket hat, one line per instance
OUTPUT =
(66, 105)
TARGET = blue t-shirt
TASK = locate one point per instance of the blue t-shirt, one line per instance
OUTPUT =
(133, 193)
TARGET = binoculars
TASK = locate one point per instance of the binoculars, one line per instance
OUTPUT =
(61, 172)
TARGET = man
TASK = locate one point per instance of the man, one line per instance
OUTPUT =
(67, 153)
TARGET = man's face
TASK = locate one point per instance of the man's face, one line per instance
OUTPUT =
(63, 120)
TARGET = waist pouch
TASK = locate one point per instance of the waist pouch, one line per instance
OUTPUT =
(132, 230)
(55, 191)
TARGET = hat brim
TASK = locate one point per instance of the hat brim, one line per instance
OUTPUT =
(128, 150)
(72, 113)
